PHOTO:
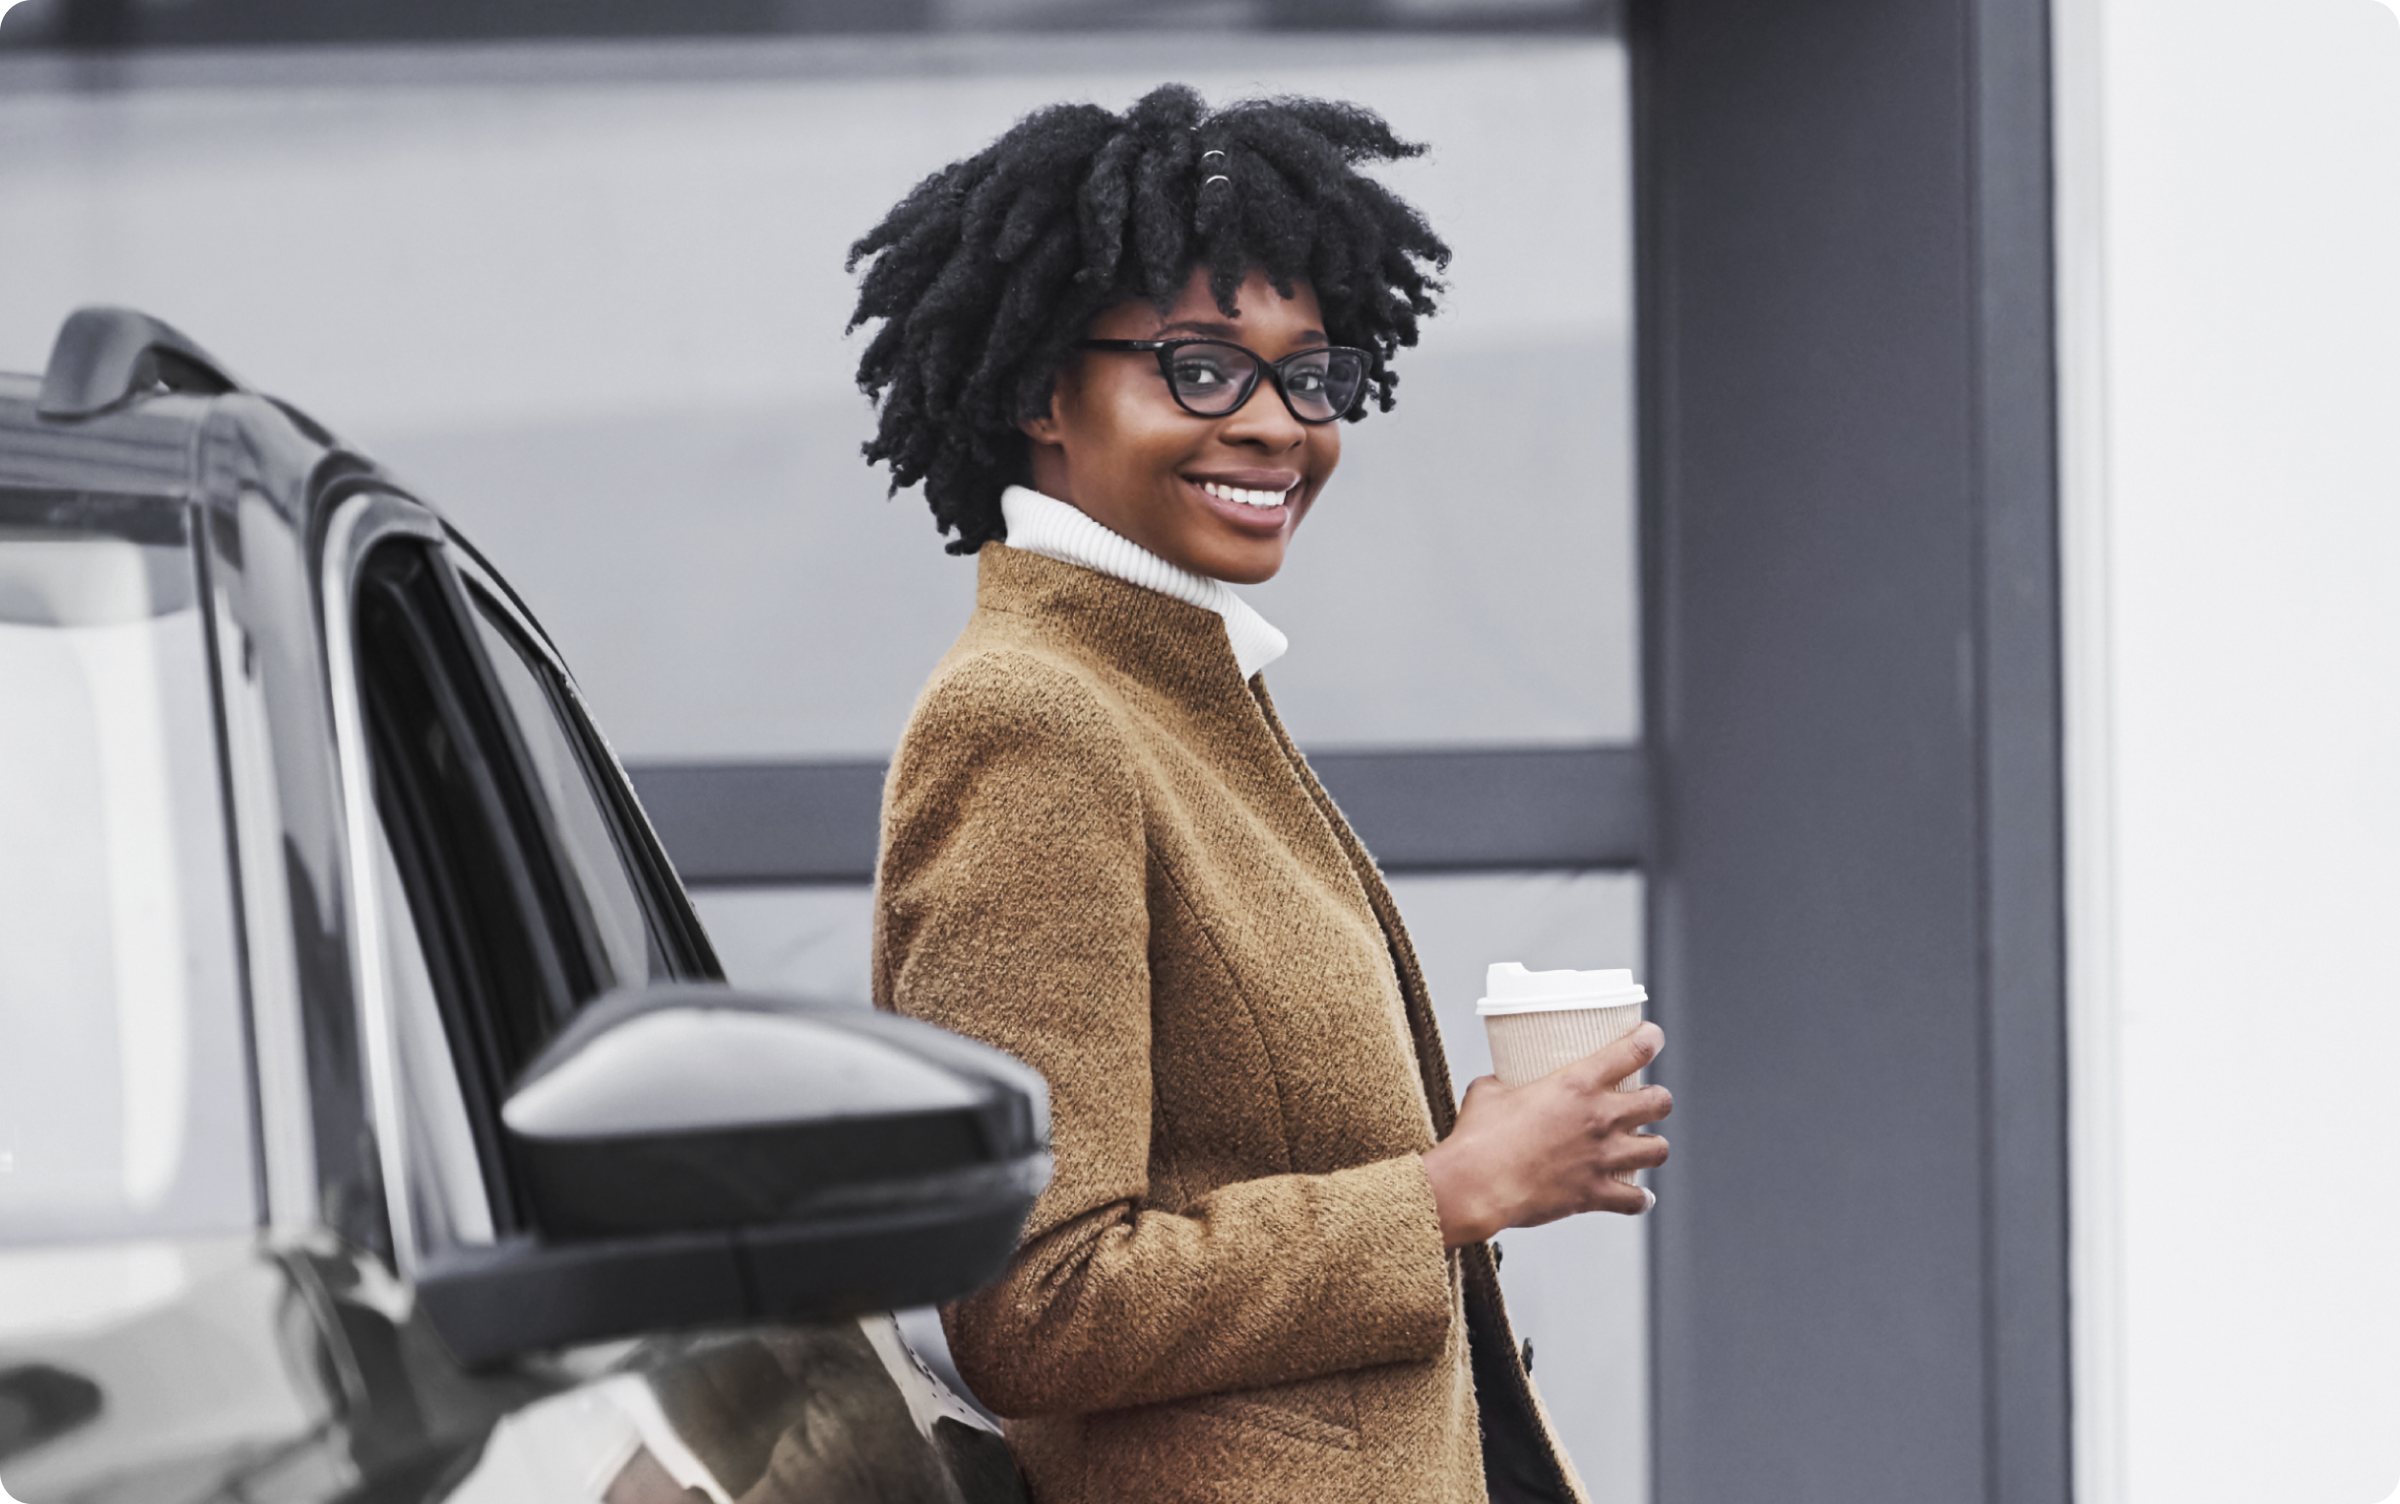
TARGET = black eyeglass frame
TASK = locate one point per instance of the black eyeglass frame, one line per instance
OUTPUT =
(1273, 370)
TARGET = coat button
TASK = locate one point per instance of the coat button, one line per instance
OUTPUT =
(1527, 1355)
(1495, 1255)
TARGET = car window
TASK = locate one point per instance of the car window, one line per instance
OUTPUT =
(448, 1196)
(125, 1104)
(564, 771)
(488, 909)
(514, 878)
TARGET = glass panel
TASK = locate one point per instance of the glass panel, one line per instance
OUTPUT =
(480, 918)
(1577, 1289)
(814, 941)
(446, 1190)
(1469, 577)
(610, 891)
(125, 1105)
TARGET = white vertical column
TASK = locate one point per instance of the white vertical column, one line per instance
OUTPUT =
(2229, 296)
(2096, 1267)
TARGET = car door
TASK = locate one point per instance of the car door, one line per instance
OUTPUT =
(504, 877)
(148, 1349)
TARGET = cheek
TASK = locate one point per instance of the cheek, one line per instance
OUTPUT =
(1324, 451)
(1137, 442)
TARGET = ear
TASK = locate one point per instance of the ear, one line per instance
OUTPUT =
(1043, 429)
(1046, 428)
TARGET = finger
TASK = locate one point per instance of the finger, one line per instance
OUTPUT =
(1633, 1151)
(1605, 1068)
(1645, 1104)
(1623, 1111)
(1623, 1199)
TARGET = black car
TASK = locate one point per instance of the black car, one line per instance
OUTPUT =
(375, 1122)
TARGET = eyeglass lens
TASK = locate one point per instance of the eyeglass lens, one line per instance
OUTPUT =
(1213, 379)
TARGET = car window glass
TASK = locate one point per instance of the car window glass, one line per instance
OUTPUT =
(446, 1190)
(125, 1105)
(563, 768)
(486, 914)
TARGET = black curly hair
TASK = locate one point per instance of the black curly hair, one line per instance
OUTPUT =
(990, 270)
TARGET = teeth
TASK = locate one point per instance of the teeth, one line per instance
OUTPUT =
(1245, 498)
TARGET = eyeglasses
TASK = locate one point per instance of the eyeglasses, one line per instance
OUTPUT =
(1212, 377)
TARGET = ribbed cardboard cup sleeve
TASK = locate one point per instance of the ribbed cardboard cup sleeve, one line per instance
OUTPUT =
(1528, 1046)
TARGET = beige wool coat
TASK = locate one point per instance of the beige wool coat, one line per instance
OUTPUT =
(1102, 854)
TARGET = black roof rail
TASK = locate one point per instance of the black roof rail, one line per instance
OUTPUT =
(106, 356)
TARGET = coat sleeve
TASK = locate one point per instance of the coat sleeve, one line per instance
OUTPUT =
(1012, 907)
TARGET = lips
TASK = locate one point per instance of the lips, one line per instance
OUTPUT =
(1264, 492)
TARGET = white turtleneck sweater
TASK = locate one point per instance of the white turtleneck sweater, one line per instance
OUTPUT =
(1045, 525)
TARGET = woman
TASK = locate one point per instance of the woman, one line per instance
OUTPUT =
(1112, 350)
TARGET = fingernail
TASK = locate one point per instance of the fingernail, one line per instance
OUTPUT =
(1649, 1200)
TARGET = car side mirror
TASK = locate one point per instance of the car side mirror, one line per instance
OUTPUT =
(697, 1156)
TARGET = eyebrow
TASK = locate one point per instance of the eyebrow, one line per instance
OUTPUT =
(1215, 330)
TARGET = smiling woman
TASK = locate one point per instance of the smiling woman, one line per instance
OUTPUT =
(992, 271)
(1262, 1269)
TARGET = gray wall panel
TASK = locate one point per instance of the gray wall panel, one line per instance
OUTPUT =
(1821, 403)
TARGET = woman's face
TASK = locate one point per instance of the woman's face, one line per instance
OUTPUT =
(1115, 445)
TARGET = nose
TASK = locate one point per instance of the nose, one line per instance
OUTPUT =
(1264, 422)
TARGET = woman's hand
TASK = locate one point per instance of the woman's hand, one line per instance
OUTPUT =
(1520, 1156)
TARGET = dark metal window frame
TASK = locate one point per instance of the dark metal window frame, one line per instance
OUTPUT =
(119, 25)
(1463, 810)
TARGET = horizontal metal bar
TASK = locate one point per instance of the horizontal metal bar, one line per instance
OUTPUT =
(761, 823)
(765, 822)
(1493, 807)
(360, 64)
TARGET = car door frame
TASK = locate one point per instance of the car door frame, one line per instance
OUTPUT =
(357, 525)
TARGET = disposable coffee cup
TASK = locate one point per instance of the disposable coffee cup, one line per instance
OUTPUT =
(1539, 1021)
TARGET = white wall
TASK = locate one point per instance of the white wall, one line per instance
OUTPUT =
(2230, 237)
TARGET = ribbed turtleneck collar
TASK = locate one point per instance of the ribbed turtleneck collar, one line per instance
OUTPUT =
(1044, 525)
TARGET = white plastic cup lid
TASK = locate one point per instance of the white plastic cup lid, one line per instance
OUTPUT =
(1510, 988)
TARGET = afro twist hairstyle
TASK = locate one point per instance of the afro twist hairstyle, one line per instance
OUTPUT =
(990, 270)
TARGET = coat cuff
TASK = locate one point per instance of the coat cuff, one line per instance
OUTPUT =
(1399, 1284)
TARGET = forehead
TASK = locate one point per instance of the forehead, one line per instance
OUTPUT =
(1259, 310)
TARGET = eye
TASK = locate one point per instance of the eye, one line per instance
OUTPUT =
(1306, 380)
(1200, 372)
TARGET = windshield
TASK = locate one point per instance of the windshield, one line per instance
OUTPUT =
(124, 1099)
